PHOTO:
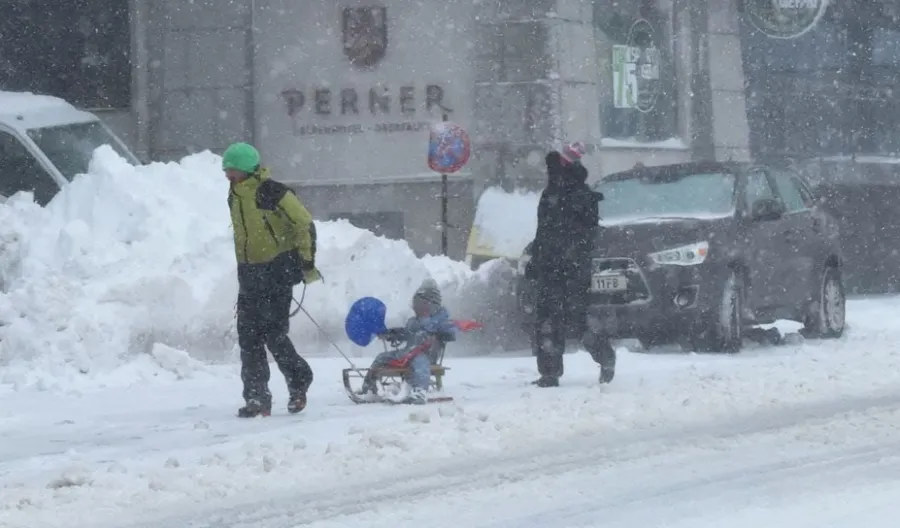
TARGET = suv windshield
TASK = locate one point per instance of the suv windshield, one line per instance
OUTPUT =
(70, 147)
(701, 195)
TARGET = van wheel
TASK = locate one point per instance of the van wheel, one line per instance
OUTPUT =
(827, 314)
(721, 328)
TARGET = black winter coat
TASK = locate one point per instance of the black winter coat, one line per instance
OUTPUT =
(568, 217)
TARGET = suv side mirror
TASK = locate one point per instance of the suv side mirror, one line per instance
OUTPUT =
(766, 209)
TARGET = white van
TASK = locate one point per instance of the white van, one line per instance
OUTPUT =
(45, 142)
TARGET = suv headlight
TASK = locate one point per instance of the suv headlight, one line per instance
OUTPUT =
(689, 255)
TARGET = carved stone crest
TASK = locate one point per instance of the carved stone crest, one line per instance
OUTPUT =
(365, 34)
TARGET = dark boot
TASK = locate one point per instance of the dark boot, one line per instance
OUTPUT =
(369, 384)
(297, 373)
(296, 402)
(546, 381)
(255, 408)
(549, 345)
(603, 353)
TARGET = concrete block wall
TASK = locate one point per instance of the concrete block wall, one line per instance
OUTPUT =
(418, 201)
(516, 112)
(731, 133)
(199, 75)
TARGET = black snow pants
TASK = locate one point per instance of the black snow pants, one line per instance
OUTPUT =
(561, 310)
(263, 320)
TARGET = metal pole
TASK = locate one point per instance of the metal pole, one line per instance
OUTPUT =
(444, 199)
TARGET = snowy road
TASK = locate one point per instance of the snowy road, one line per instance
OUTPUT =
(825, 465)
(699, 440)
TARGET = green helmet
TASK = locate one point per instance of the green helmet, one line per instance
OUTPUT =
(241, 156)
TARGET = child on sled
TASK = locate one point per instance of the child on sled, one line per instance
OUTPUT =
(423, 335)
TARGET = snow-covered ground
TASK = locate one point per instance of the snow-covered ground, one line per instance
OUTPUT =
(119, 390)
(169, 452)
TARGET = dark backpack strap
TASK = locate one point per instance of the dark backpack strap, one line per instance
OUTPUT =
(269, 193)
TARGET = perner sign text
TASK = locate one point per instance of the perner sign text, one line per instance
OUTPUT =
(348, 102)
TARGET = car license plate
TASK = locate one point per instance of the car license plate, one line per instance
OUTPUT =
(609, 283)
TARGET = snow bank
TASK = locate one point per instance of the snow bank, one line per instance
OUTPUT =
(128, 258)
(505, 222)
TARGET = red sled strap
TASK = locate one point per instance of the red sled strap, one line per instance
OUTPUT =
(462, 325)
(468, 325)
(402, 362)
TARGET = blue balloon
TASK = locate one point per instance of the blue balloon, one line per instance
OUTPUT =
(365, 320)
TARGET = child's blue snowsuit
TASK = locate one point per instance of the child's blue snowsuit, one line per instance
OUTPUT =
(419, 331)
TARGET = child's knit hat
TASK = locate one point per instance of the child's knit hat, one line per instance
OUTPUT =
(429, 291)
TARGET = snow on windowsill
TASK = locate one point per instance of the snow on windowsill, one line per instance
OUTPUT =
(669, 144)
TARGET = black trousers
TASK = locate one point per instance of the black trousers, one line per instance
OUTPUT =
(263, 320)
(561, 310)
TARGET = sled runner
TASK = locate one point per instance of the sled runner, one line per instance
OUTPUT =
(392, 381)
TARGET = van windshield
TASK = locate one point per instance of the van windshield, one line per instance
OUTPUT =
(70, 147)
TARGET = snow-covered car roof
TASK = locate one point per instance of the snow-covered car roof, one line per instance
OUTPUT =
(24, 110)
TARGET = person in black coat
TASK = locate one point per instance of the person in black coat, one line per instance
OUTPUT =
(568, 217)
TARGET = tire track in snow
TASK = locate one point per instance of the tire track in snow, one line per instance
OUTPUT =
(608, 453)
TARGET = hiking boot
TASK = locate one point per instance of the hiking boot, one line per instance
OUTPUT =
(297, 402)
(546, 381)
(255, 408)
(607, 373)
(369, 386)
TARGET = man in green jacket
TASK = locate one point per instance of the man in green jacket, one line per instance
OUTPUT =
(275, 245)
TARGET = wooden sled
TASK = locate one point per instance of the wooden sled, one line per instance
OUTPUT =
(393, 378)
(389, 381)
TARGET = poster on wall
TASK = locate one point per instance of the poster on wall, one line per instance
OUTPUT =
(785, 19)
(636, 69)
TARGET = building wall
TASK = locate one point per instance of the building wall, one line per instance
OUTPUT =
(523, 76)
(417, 204)
(198, 68)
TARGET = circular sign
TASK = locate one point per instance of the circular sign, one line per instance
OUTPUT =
(785, 19)
(646, 59)
(449, 148)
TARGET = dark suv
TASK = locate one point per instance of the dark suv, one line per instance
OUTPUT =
(695, 253)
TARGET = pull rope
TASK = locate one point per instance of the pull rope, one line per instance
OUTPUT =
(322, 331)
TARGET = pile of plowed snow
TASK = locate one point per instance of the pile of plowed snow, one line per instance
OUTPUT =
(126, 258)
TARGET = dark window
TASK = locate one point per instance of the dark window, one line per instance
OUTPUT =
(789, 190)
(79, 50)
(20, 171)
(638, 79)
(829, 91)
(758, 188)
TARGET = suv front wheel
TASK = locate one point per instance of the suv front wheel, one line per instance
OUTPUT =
(720, 329)
(826, 317)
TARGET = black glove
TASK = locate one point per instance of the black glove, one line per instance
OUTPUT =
(530, 270)
(394, 335)
(446, 337)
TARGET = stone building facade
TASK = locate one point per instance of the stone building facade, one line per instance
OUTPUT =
(339, 95)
